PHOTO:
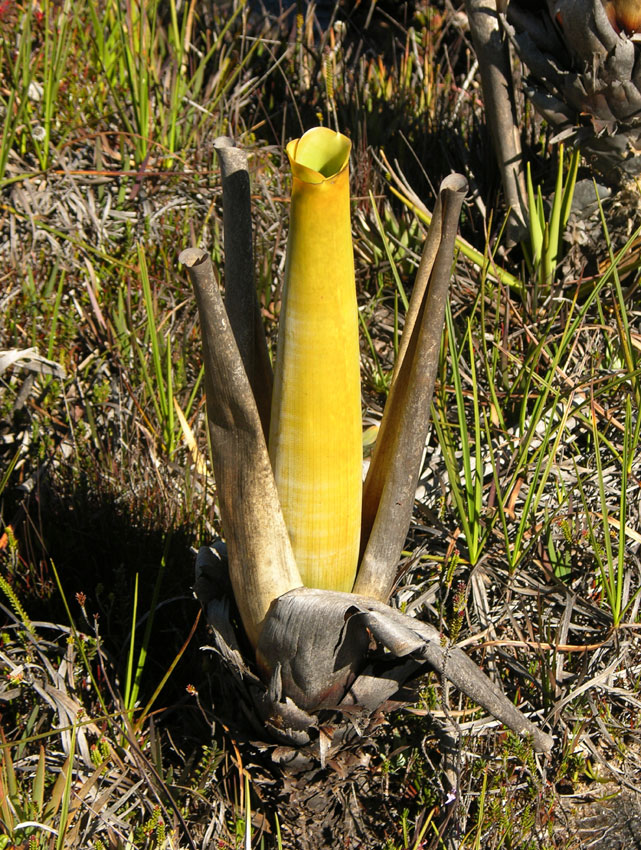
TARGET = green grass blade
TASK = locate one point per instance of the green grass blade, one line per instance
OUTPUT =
(146, 710)
(38, 790)
(487, 264)
(79, 643)
(554, 227)
(388, 253)
(131, 680)
(66, 794)
(144, 649)
(535, 222)
(568, 191)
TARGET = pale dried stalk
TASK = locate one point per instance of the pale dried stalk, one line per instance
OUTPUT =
(492, 51)
(261, 562)
(390, 486)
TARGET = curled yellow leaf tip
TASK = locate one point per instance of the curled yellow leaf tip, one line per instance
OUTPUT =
(320, 154)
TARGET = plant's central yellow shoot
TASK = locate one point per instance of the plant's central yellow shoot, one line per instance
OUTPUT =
(315, 439)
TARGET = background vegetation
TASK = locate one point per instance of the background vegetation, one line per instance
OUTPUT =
(116, 728)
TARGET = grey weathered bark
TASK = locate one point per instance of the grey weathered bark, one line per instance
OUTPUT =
(241, 301)
(584, 76)
(492, 50)
(325, 649)
(261, 561)
(390, 486)
(296, 633)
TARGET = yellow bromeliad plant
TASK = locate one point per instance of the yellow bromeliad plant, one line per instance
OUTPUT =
(312, 554)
